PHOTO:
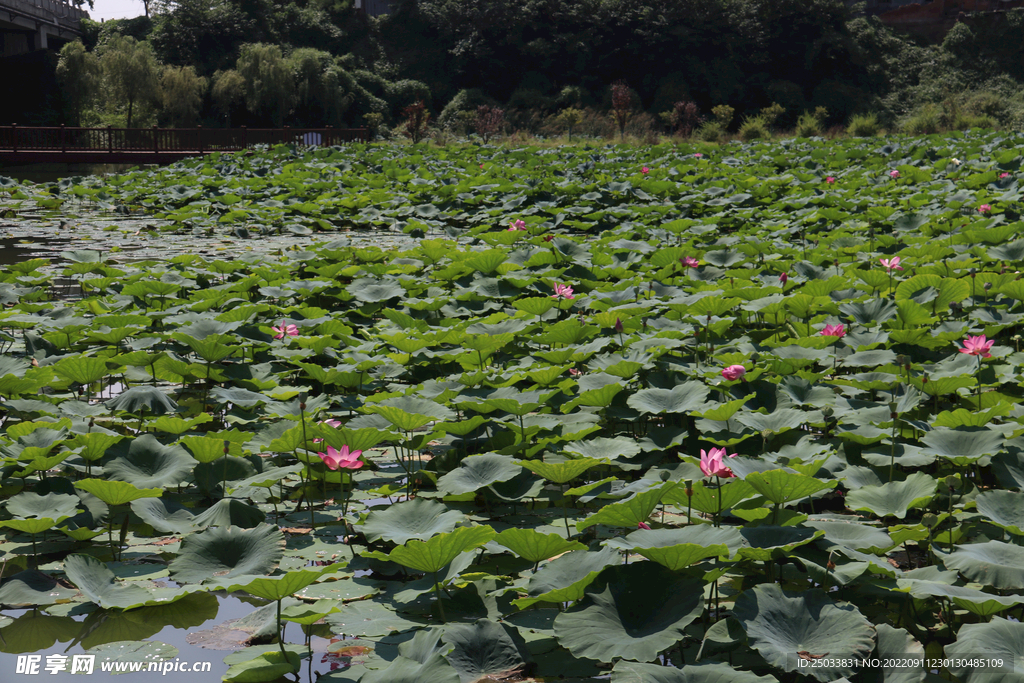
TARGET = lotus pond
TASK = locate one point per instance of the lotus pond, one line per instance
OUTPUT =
(746, 413)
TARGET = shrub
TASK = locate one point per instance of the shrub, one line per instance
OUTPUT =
(967, 121)
(771, 114)
(863, 126)
(570, 118)
(684, 118)
(374, 120)
(622, 105)
(808, 125)
(710, 131)
(489, 120)
(927, 120)
(417, 118)
(754, 128)
(723, 114)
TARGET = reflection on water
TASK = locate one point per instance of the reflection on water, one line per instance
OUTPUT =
(75, 629)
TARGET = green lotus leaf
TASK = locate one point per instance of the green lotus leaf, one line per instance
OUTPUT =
(993, 563)
(31, 526)
(37, 631)
(277, 587)
(81, 369)
(211, 349)
(705, 496)
(894, 498)
(96, 444)
(230, 512)
(534, 546)
(143, 399)
(31, 587)
(971, 599)
(999, 639)
(638, 672)
(482, 649)
(682, 398)
(779, 625)
(438, 551)
(676, 557)
(54, 505)
(560, 472)
(781, 487)
(99, 584)
(966, 443)
(1004, 508)
(371, 290)
(771, 542)
(853, 535)
(478, 471)
(116, 492)
(565, 578)
(222, 553)
(165, 515)
(603, 448)
(631, 612)
(702, 535)
(420, 659)
(150, 464)
(238, 396)
(630, 512)
(266, 666)
(420, 518)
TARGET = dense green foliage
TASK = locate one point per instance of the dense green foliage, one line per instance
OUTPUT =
(811, 306)
(748, 54)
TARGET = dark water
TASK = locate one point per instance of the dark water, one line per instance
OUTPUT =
(49, 173)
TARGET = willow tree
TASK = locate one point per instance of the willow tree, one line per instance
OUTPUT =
(182, 92)
(269, 86)
(131, 73)
(78, 72)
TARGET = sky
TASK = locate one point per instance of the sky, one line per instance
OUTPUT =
(115, 9)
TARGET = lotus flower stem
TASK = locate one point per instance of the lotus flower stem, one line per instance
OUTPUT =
(280, 631)
(718, 515)
(440, 603)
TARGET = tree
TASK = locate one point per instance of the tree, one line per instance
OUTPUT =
(622, 105)
(319, 95)
(417, 118)
(570, 117)
(78, 73)
(489, 120)
(130, 72)
(183, 94)
(228, 92)
(269, 86)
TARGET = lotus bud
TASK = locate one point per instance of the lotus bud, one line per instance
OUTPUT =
(973, 272)
(227, 446)
(755, 357)
(664, 475)
(953, 482)
(892, 410)
(618, 325)
(924, 380)
(689, 488)
(987, 286)
(902, 360)
(828, 412)
(929, 520)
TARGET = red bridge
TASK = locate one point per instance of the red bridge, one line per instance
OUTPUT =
(30, 145)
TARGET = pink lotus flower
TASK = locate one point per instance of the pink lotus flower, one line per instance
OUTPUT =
(1004, 175)
(978, 346)
(831, 180)
(689, 262)
(985, 209)
(894, 174)
(734, 372)
(645, 170)
(698, 155)
(290, 330)
(618, 325)
(891, 263)
(711, 463)
(783, 278)
(549, 238)
(573, 372)
(834, 331)
(643, 525)
(563, 292)
(343, 458)
(517, 225)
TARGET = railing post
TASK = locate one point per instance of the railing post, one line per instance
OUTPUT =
(110, 139)
(14, 136)
(63, 140)
(156, 138)
(199, 138)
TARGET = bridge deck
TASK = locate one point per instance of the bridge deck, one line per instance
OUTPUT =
(23, 144)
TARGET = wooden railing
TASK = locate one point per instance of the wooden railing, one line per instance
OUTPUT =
(175, 141)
